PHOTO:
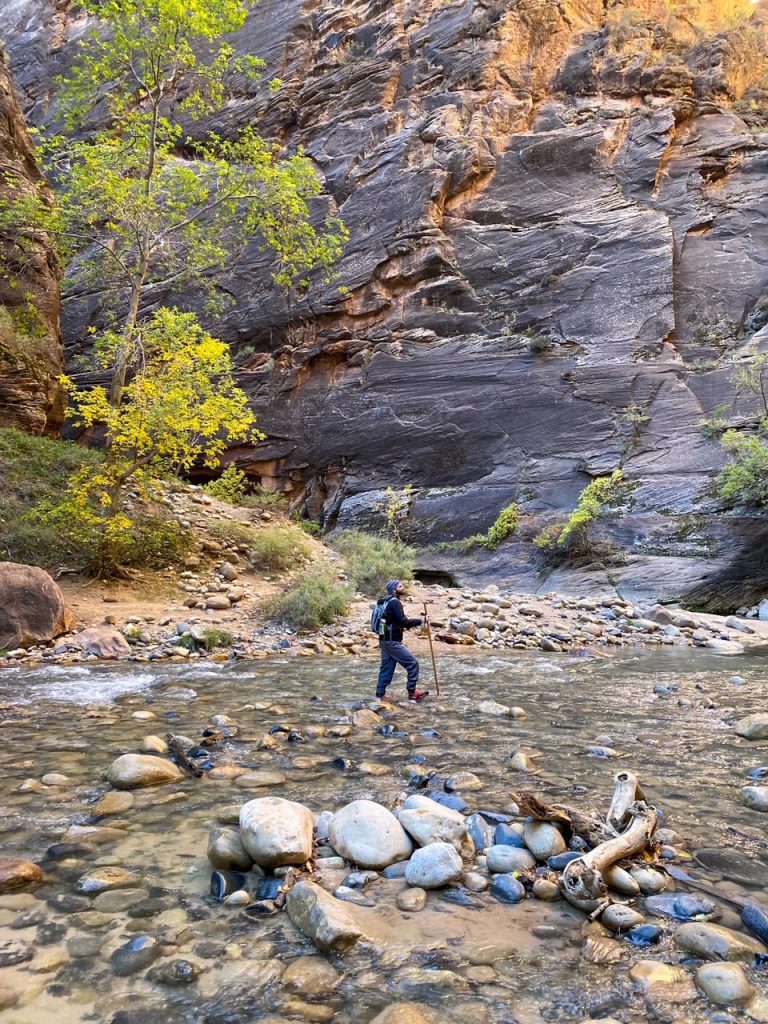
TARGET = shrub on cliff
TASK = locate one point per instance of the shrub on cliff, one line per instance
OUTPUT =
(744, 481)
(574, 540)
(315, 598)
(372, 560)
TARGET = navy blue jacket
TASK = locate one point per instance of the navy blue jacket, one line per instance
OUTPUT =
(396, 621)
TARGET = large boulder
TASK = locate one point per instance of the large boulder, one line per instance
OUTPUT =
(328, 922)
(32, 610)
(103, 641)
(369, 835)
(276, 832)
(429, 822)
(135, 771)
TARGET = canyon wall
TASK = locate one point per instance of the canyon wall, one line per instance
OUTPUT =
(559, 248)
(30, 346)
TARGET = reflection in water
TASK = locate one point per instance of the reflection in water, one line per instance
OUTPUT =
(478, 965)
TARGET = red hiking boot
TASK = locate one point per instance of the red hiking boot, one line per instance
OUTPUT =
(417, 695)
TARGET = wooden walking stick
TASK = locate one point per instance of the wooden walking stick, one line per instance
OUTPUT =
(431, 650)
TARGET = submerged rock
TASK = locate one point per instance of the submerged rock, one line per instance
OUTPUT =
(725, 984)
(755, 797)
(104, 879)
(753, 727)
(328, 922)
(18, 874)
(276, 832)
(713, 942)
(369, 835)
(403, 1013)
(310, 977)
(136, 771)
(136, 954)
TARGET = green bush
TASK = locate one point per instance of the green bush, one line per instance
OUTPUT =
(372, 560)
(744, 481)
(278, 547)
(309, 526)
(35, 472)
(231, 531)
(260, 497)
(315, 599)
(216, 638)
(229, 487)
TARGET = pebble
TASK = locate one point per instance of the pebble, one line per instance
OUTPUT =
(620, 918)
(546, 890)
(103, 879)
(507, 889)
(412, 899)
(136, 954)
(174, 973)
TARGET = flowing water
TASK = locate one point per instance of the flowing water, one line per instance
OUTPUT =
(481, 964)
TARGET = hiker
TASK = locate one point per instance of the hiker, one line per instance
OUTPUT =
(393, 651)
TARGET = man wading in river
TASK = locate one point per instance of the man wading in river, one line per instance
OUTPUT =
(393, 650)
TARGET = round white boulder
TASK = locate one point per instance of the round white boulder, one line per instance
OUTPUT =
(433, 866)
(276, 831)
(369, 835)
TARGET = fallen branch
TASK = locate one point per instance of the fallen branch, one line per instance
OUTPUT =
(179, 757)
(582, 881)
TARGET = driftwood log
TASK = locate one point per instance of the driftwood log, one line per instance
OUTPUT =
(625, 794)
(582, 882)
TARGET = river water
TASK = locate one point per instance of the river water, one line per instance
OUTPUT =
(481, 964)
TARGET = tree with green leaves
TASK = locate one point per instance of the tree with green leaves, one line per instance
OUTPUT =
(141, 205)
(145, 210)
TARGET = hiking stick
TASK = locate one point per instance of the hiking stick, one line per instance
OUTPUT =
(431, 650)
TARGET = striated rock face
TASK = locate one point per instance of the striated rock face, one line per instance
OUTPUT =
(559, 223)
(30, 347)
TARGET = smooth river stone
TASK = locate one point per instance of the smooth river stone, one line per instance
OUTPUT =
(713, 942)
(753, 727)
(18, 874)
(104, 879)
(621, 881)
(755, 797)
(501, 859)
(429, 822)
(433, 866)
(328, 922)
(734, 865)
(226, 850)
(403, 1013)
(543, 839)
(310, 977)
(412, 900)
(136, 954)
(117, 801)
(276, 832)
(134, 771)
(620, 918)
(369, 835)
(725, 984)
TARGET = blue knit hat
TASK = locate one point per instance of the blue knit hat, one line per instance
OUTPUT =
(392, 587)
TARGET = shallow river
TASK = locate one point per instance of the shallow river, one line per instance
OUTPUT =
(479, 964)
